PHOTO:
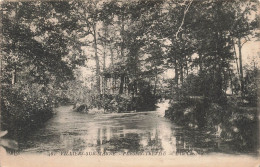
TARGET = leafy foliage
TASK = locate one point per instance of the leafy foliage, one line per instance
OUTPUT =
(132, 44)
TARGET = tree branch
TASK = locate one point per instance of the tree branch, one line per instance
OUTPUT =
(244, 42)
(183, 19)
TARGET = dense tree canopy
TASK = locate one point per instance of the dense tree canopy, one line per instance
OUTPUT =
(131, 45)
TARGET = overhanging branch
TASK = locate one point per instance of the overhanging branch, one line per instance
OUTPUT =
(183, 19)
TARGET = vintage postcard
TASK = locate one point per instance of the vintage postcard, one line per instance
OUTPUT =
(130, 83)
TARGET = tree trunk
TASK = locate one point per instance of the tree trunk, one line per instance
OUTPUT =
(218, 85)
(112, 67)
(112, 57)
(115, 84)
(241, 66)
(126, 84)
(97, 60)
(14, 75)
(187, 68)
(176, 78)
(104, 83)
(122, 35)
(235, 56)
(231, 81)
(122, 80)
(155, 84)
(181, 74)
(200, 63)
(121, 87)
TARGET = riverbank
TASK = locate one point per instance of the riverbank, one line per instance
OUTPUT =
(230, 123)
(25, 109)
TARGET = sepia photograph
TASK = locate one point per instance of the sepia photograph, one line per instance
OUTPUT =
(130, 83)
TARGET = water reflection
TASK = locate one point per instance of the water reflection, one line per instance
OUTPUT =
(124, 132)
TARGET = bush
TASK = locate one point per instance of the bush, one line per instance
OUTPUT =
(146, 101)
(83, 108)
(25, 107)
(123, 103)
(81, 95)
(196, 111)
(229, 122)
(251, 87)
(112, 103)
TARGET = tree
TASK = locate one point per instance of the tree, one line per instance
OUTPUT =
(40, 44)
(242, 29)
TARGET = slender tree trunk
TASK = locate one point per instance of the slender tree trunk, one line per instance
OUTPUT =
(122, 34)
(15, 45)
(121, 88)
(231, 81)
(200, 63)
(187, 68)
(14, 75)
(112, 57)
(241, 66)
(112, 67)
(155, 83)
(97, 61)
(235, 56)
(115, 84)
(136, 87)
(126, 83)
(104, 83)
(181, 73)
(218, 85)
(176, 78)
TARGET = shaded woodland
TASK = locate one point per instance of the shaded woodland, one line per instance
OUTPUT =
(116, 56)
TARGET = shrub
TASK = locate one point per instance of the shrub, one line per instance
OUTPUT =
(251, 86)
(81, 108)
(25, 107)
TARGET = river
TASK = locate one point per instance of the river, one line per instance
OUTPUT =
(120, 133)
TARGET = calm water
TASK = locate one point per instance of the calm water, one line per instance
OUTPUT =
(121, 132)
